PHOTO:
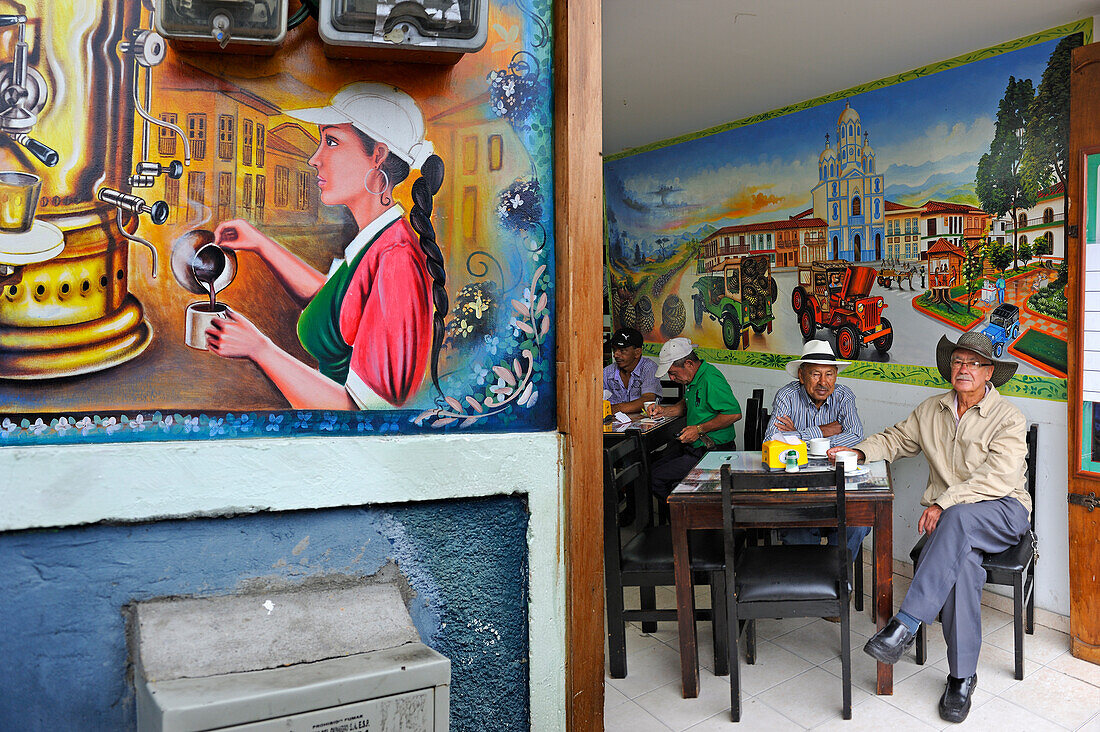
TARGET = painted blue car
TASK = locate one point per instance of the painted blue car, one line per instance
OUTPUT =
(1003, 328)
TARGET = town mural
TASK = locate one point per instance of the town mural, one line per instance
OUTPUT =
(880, 218)
(221, 245)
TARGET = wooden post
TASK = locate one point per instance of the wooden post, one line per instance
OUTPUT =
(578, 233)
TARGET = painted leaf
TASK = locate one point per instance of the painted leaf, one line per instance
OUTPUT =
(474, 403)
(521, 308)
(517, 368)
(526, 395)
(538, 273)
(525, 327)
(505, 374)
(544, 328)
(468, 421)
(541, 304)
(424, 415)
(455, 404)
(443, 422)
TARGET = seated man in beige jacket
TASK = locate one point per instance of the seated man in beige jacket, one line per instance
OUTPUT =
(977, 502)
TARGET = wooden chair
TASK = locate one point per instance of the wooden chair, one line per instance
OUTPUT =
(783, 581)
(645, 561)
(1014, 567)
(756, 421)
(671, 391)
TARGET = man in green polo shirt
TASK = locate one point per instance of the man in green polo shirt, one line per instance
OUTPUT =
(710, 408)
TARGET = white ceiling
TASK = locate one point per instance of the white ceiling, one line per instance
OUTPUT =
(679, 66)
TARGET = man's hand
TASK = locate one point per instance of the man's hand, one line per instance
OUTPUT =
(830, 429)
(689, 434)
(832, 451)
(785, 424)
(929, 519)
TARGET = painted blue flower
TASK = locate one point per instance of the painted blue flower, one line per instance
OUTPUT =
(328, 422)
(246, 423)
(365, 426)
(302, 420)
(216, 426)
(190, 424)
(274, 422)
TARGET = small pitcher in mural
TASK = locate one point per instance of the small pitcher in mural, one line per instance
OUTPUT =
(375, 322)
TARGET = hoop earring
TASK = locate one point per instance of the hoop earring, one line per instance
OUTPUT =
(385, 185)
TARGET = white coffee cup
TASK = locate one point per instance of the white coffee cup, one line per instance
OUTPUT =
(647, 407)
(197, 320)
(848, 458)
(818, 445)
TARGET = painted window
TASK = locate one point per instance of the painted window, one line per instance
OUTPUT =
(196, 194)
(304, 187)
(225, 196)
(469, 213)
(857, 208)
(496, 152)
(246, 142)
(469, 154)
(1048, 216)
(226, 125)
(166, 138)
(282, 186)
(261, 196)
(246, 194)
(259, 147)
(1022, 220)
(172, 197)
(196, 135)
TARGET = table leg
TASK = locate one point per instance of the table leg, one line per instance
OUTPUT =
(883, 574)
(685, 601)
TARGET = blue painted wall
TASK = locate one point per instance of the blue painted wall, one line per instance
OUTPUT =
(64, 656)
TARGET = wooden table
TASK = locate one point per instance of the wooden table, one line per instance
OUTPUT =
(653, 433)
(697, 504)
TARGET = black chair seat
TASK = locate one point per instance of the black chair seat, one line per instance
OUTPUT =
(1013, 559)
(651, 551)
(787, 574)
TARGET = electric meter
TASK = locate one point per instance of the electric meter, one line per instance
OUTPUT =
(227, 23)
(437, 31)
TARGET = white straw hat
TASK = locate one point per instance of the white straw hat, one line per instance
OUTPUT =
(384, 112)
(816, 352)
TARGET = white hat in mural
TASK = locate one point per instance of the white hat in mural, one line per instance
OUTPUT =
(384, 112)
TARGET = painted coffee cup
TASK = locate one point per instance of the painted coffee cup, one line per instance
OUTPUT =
(197, 320)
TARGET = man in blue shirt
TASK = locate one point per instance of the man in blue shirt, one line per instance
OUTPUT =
(631, 379)
(816, 406)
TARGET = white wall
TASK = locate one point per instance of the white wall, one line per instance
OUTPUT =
(76, 484)
(882, 404)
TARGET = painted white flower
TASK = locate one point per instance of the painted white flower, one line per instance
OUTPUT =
(138, 423)
(63, 425)
(85, 425)
(38, 427)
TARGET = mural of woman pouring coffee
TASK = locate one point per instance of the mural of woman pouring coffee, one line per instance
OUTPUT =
(375, 322)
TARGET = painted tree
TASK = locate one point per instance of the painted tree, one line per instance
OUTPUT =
(1044, 245)
(1000, 183)
(1046, 136)
(972, 269)
(1000, 255)
(1024, 252)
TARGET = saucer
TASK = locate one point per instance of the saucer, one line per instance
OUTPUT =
(859, 470)
(817, 455)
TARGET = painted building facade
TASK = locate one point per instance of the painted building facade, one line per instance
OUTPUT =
(849, 195)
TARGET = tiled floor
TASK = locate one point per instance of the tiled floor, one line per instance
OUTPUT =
(795, 683)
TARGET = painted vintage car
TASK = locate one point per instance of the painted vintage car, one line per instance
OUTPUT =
(835, 294)
(738, 295)
(1003, 328)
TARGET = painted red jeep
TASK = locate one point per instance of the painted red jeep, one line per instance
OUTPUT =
(835, 295)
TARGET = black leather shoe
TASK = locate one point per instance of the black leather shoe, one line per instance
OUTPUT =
(955, 702)
(889, 644)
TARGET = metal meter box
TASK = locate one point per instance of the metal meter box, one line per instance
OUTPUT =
(432, 31)
(248, 26)
(402, 689)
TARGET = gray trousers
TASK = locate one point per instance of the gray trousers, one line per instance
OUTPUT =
(949, 577)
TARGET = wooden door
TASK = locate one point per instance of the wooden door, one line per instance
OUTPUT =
(1084, 522)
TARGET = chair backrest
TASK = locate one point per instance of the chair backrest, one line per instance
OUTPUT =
(756, 421)
(1031, 460)
(671, 391)
(623, 472)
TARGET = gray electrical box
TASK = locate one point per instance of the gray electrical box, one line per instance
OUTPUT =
(320, 660)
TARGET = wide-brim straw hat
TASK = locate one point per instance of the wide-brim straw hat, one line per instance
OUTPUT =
(816, 352)
(980, 344)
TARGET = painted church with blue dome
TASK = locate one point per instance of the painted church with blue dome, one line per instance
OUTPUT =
(850, 196)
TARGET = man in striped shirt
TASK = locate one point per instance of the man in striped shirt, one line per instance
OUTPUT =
(816, 406)
(632, 379)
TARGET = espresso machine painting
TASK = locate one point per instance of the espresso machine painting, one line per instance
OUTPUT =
(69, 84)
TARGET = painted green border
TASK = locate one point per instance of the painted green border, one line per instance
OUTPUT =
(1081, 26)
(1032, 387)
(1086, 437)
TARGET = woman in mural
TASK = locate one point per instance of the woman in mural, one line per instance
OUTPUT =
(376, 320)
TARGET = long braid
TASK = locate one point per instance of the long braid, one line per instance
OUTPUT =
(425, 187)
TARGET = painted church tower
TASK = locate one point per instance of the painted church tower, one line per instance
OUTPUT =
(849, 195)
